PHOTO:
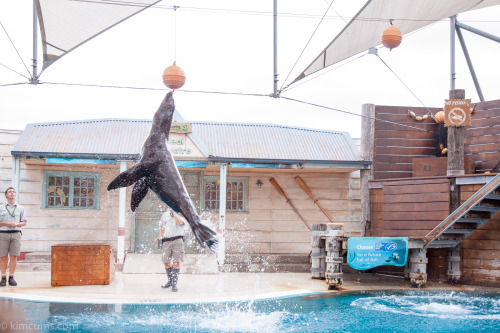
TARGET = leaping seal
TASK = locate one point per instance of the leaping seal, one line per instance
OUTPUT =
(156, 170)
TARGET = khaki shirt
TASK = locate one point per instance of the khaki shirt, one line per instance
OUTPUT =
(11, 214)
(170, 227)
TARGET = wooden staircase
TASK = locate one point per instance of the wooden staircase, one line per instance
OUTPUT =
(478, 209)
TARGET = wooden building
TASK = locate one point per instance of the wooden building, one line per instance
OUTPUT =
(409, 192)
(62, 170)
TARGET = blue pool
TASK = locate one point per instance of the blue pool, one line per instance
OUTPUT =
(415, 311)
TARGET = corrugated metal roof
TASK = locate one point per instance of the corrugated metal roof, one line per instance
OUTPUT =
(98, 137)
(115, 138)
(275, 142)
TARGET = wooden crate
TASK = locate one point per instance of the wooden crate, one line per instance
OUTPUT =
(82, 264)
(437, 166)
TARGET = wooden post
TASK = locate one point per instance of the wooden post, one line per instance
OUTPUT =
(455, 167)
(367, 150)
(453, 271)
(456, 142)
(334, 275)
(418, 268)
(318, 264)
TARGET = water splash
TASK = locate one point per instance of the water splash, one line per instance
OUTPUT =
(237, 317)
(453, 305)
(365, 312)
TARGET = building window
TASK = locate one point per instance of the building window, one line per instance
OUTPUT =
(71, 190)
(236, 194)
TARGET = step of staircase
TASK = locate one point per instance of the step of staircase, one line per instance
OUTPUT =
(34, 261)
(40, 257)
(267, 263)
(150, 263)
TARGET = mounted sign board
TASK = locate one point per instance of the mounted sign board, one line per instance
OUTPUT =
(368, 252)
(457, 112)
(182, 128)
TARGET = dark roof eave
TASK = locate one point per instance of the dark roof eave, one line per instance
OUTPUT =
(218, 159)
(77, 155)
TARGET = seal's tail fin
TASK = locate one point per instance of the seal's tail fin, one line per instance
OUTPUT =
(205, 235)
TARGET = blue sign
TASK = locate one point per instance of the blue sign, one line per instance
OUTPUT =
(368, 252)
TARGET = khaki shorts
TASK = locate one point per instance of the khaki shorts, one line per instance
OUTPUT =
(10, 243)
(172, 251)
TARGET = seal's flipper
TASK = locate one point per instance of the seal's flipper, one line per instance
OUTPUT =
(127, 177)
(138, 193)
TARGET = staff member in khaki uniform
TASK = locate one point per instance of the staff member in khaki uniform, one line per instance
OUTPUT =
(172, 235)
(12, 218)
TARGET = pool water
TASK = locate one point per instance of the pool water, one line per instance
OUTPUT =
(416, 311)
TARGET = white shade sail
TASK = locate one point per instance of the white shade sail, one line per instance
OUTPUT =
(364, 31)
(65, 24)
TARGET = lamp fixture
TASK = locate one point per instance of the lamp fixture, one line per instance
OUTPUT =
(259, 183)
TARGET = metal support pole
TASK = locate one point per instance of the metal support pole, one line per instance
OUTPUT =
(478, 32)
(318, 254)
(275, 48)
(418, 267)
(453, 20)
(221, 253)
(34, 79)
(469, 64)
(333, 246)
(16, 176)
(120, 252)
(453, 271)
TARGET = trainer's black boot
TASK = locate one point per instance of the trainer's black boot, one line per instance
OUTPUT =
(12, 282)
(175, 277)
(169, 274)
(3, 283)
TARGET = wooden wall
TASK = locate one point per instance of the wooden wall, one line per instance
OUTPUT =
(47, 227)
(272, 227)
(413, 207)
(399, 138)
(7, 140)
(482, 139)
(409, 207)
(480, 251)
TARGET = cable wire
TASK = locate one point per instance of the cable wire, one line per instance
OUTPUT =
(256, 12)
(353, 114)
(100, 86)
(13, 84)
(303, 50)
(403, 82)
(225, 93)
(154, 89)
(14, 46)
(15, 71)
(286, 88)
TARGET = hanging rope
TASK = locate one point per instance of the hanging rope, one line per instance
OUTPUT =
(293, 67)
(175, 33)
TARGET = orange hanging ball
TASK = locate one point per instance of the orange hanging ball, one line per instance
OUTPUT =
(391, 37)
(439, 117)
(174, 77)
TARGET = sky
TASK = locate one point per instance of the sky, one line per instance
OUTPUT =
(226, 50)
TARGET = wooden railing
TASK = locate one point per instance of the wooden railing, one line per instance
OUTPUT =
(460, 212)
